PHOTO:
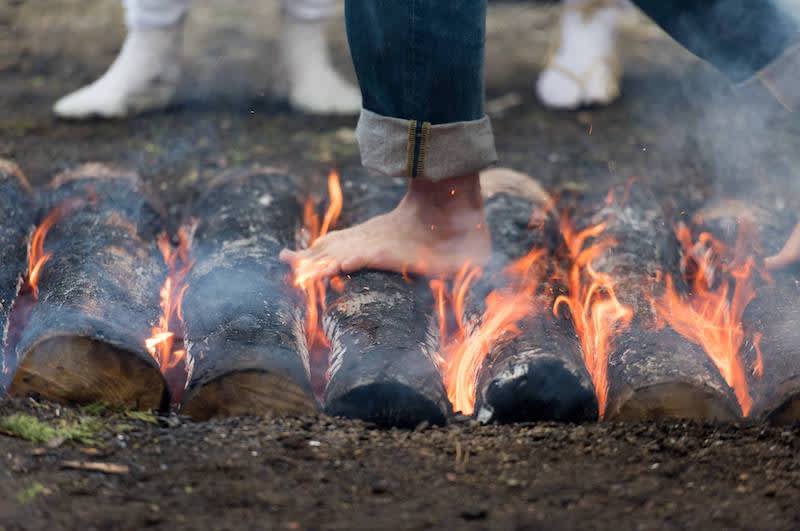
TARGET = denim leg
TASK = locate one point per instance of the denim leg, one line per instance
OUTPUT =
(420, 64)
(739, 37)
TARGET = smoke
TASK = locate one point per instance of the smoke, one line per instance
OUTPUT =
(744, 139)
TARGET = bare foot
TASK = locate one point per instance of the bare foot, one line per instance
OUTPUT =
(436, 228)
(787, 256)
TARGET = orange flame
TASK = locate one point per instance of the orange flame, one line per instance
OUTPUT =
(307, 272)
(165, 344)
(712, 316)
(597, 314)
(465, 350)
(37, 256)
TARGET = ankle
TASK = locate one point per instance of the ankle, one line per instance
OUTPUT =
(452, 193)
(452, 206)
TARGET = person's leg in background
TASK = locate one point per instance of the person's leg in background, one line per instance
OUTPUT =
(749, 41)
(314, 85)
(744, 39)
(420, 67)
(146, 73)
(584, 65)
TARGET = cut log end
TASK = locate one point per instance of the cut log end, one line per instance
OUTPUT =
(788, 412)
(248, 393)
(779, 403)
(543, 388)
(387, 404)
(81, 370)
(673, 400)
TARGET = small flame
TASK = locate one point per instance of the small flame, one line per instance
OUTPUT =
(464, 351)
(307, 272)
(597, 314)
(758, 367)
(166, 342)
(307, 277)
(712, 316)
(37, 256)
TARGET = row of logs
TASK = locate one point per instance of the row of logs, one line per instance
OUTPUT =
(82, 277)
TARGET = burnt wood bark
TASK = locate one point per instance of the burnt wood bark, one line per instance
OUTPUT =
(774, 313)
(382, 366)
(243, 322)
(539, 374)
(18, 209)
(98, 295)
(653, 373)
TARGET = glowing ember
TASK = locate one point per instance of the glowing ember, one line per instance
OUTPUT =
(597, 315)
(307, 272)
(166, 342)
(712, 316)
(464, 351)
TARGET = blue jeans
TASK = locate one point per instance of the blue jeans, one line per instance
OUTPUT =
(738, 37)
(420, 67)
(420, 64)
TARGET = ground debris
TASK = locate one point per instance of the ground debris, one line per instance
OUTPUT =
(96, 466)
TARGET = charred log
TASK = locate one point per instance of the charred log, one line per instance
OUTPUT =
(652, 372)
(243, 323)
(539, 374)
(383, 366)
(97, 295)
(771, 352)
(19, 214)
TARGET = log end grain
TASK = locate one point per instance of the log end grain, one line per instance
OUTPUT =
(672, 400)
(787, 410)
(248, 393)
(81, 370)
(387, 404)
(657, 374)
(538, 388)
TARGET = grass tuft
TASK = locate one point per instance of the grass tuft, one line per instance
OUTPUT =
(28, 427)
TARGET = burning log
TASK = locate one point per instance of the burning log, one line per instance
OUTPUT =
(93, 278)
(640, 368)
(535, 372)
(19, 214)
(769, 336)
(383, 366)
(243, 323)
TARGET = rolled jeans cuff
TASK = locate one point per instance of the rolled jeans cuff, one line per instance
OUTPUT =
(415, 149)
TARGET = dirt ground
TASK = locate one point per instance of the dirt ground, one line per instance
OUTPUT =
(679, 128)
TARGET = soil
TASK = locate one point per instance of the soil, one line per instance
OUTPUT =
(679, 128)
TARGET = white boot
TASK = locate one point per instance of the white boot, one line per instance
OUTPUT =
(143, 77)
(314, 86)
(584, 69)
